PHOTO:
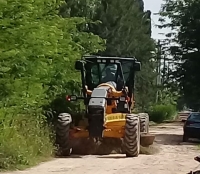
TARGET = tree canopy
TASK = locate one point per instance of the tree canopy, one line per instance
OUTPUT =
(185, 46)
(37, 52)
(130, 35)
(126, 27)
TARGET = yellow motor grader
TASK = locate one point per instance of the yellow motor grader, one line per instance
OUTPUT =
(107, 88)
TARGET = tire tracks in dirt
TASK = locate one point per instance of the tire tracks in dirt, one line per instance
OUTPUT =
(174, 157)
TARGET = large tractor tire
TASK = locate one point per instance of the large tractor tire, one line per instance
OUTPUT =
(132, 135)
(144, 122)
(62, 134)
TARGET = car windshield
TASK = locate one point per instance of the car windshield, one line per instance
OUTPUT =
(194, 116)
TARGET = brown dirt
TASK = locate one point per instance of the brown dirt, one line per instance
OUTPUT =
(105, 147)
(174, 157)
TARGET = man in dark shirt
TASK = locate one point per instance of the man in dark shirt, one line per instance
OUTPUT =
(110, 74)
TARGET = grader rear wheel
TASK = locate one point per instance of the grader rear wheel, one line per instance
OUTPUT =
(144, 122)
(62, 134)
(132, 136)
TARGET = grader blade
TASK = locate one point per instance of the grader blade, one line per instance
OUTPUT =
(146, 139)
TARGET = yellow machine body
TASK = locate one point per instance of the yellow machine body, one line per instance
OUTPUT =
(114, 122)
(114, 127)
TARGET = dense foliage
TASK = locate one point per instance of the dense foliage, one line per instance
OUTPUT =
(127, 31)
(38, 49)
(161, 112)
(184, 42)
(129, 35)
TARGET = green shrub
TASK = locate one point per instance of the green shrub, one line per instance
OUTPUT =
(170, 110)
(24, 140)
(159, 113)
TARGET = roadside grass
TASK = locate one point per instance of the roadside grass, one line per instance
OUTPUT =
(24, 141)
(160, 113)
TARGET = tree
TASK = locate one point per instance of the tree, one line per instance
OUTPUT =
(42, 45)
(126, 28)
(184, 16)
(127, 31)
(38, 49)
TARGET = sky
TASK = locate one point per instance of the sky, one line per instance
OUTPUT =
(154, 6)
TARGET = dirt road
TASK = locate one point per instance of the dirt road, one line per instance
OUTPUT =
(174, 157)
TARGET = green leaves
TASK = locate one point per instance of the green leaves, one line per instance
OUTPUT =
(38, 49)
(185, 20)
(125, 27)
(37, 43)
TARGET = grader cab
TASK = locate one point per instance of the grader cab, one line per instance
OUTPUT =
(107, 88)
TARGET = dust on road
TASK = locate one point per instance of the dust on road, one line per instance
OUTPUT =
(174, 157)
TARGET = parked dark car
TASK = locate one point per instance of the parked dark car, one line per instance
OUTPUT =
(191, 126)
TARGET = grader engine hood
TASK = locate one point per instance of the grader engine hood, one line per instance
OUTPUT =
(97, 110)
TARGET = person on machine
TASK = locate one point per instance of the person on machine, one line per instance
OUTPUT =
(110, 74)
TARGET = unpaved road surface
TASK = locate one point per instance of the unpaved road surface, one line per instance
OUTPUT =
(174, 157)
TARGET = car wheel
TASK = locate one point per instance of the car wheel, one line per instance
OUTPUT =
(185, 138)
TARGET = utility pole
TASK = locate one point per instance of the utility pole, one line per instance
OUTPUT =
(158, 82)
(164, 69)
(158, 79)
